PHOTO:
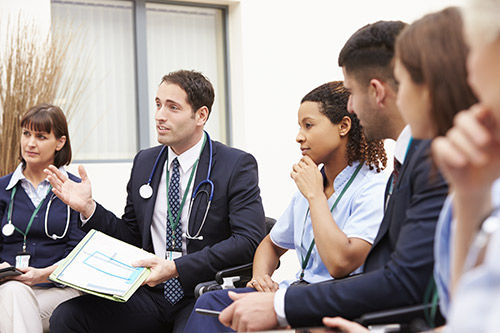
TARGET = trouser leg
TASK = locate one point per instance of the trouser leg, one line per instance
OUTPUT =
(49, 298)
(214, 300)
(143, 312)
(19, 309)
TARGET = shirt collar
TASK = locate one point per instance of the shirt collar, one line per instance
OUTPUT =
(18, 176)
(402, 144)
(344, 176)
(187, 158)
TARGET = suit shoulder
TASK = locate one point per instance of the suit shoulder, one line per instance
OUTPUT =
(234, 153)
(148, 153)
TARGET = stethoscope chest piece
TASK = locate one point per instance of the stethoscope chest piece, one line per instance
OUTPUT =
(8, 229)
(146, 191)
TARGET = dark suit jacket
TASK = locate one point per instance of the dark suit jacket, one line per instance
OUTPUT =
(399, 265)
(234, 226)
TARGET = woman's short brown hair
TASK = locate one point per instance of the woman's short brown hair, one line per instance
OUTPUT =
(47, 118)
(434, 53)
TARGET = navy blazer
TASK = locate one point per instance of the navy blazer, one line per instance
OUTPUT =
(399, 265)
(44, 251)
(235, 222)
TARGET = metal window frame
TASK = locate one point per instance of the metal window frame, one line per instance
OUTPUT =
(141, 73)
(141, 67)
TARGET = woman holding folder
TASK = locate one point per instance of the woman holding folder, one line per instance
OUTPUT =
(37, 229)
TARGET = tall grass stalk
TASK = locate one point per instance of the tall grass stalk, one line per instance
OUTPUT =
(34, 68)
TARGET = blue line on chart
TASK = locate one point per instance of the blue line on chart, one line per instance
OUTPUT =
(134, 271)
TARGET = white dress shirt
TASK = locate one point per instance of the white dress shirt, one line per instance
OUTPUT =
(37, 194)
(159, 224)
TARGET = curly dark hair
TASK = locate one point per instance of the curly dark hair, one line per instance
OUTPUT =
(333, 99)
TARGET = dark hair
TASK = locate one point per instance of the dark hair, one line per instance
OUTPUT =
(198, 88)
(369, 52)
(333, 98)
(47, 118)
(434, 53)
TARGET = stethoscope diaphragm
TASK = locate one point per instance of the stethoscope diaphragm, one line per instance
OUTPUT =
(8, 229)
(146, 191)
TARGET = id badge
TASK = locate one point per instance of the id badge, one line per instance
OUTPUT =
(23, 260)
(172, 255)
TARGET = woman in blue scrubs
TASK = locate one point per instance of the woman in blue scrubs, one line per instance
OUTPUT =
(333, 218)
(37, 229)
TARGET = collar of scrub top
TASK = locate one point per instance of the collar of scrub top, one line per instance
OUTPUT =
(18, 176)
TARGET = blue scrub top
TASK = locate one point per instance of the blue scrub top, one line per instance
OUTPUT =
(358, 214)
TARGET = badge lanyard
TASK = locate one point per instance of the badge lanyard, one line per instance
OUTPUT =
(175, 222)
(309, 251)
(24, 256)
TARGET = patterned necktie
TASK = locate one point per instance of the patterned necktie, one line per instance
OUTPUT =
(173, 289)
(395, 172)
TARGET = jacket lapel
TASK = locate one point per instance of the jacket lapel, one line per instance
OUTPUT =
(386, 221)
(150, 203)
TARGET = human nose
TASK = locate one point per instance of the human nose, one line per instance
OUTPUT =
(161, 114)
(31, 141)
(300, 137)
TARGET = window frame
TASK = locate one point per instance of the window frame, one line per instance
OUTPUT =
(141, 74)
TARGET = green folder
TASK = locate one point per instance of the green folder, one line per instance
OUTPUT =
(73, 262)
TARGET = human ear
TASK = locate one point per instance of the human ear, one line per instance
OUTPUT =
(379, 90)
(61, 142)
(345, 126)
(202, 115)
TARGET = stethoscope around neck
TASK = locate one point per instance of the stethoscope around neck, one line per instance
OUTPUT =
(9, 228)
(146, 191)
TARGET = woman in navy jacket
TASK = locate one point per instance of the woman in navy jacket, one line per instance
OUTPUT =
(37, 229)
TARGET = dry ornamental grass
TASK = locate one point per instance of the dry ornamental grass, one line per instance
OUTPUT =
(34, 68)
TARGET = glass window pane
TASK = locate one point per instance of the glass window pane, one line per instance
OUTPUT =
(185, 37)
(105, 126)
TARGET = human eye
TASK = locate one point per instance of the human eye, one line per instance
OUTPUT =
(308, 125)
(26, 133)
(174, 107)
(41, 136)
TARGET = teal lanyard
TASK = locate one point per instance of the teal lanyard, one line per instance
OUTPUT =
(9, 214)
(175, 222)
(309, 251)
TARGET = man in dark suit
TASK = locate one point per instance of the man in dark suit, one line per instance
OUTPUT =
(399, 265)
(189, 246)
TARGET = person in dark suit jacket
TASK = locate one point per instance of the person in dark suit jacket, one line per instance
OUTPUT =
(399, 265)
(197, 247)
